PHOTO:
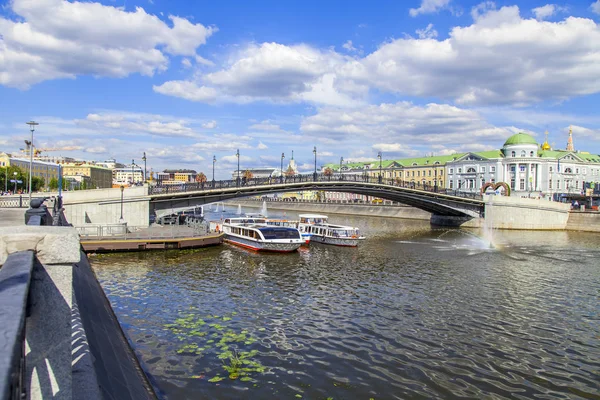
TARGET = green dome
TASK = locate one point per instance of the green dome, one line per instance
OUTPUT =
(520, 138)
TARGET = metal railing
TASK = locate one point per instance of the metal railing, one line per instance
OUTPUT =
(15, 278)
(257, 182)
(123, 232)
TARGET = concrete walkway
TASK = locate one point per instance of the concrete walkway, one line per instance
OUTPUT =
(12, 216)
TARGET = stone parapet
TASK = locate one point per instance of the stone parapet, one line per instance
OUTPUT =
(53, 245)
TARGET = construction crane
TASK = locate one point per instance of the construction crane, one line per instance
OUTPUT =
(37, 151)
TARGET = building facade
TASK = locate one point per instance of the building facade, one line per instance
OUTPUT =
(40, 169)
(128, 175)
(99, 177)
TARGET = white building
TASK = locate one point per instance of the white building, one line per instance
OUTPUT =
(526, 168)
(130, 174)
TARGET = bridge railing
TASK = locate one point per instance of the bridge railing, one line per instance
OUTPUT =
(258, 182)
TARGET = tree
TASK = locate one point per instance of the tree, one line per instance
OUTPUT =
(201, 178)
(328, 172)
(248, 175)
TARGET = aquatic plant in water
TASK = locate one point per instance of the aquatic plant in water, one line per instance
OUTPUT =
(199, 337)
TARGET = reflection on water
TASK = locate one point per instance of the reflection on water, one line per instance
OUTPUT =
(413, 312)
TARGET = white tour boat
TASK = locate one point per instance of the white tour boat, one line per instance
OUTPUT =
(255, 234)
(322, 231)
(290, 224)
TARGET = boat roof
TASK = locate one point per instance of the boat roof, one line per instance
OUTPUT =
(313, 216)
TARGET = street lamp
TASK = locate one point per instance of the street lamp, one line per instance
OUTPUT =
(132, 173)
(32, 125)
(281, 176)
(6, 178)
(15, 174)
(315, 173)
(122, 189)
(341, 161)
(435, 183)
(144, 159)
(379, 156)
(237, 154)
(214, 161)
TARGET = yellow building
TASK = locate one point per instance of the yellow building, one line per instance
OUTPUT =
(100, 177)
(40, 169)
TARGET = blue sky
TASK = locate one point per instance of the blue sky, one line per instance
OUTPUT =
(184, 81)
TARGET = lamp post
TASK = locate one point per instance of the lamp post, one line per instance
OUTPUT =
(122, 189)
(341, 161)
(214, 161)
(435, 183)
(32, 125)
(315, 173)
(379, 156)
(15, 175)
(6, 179)
(281, 176)
(144, 159)
(132, 173)
(237, 154)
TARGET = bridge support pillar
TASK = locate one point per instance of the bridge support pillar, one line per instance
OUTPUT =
(447, 220)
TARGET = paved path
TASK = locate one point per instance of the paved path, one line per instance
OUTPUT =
(12, 216)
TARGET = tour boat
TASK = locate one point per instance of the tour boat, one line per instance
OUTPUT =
(259, 236)
(322, 231)
(290, 224)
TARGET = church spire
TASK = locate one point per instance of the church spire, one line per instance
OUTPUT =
(546, 145)
(570, 141)
(292, 154)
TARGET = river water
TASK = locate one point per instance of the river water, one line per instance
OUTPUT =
(413, 312)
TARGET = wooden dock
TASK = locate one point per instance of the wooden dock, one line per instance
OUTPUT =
(109, 245)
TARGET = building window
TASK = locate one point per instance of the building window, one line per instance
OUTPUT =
(531, 154)
(418, 173)
(451, 170)
(522, 184)
(522, 168)
(483, 169)
(451, 184)
(568, 171)
(576, 184)
(471, 170)
(522, 153)
(584, 171)
(550, 169)
(493, 180)
(493, 169)
(550, 184)
(513, 168)
(577, 170)
(460, 170)
(512, 183)
(558, 184)
(513, 154)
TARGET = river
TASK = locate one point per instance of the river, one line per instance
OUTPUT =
(413, 312)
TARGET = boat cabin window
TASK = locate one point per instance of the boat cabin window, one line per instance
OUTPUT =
(280, 233)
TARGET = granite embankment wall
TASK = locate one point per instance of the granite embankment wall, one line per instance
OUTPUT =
(525, 213)
(587, 221)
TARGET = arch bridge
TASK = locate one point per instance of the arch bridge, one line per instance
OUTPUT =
(442, 204)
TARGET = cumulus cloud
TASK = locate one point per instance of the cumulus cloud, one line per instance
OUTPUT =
(500, 59)
(50, 39)
(429, 7)
(127, 123)
(187, 90)
(406, 123)
(349, 46)
(262, 146)
(595, 7)
(544, 12)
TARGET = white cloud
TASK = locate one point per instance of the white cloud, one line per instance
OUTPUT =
(128, 123)
(187, 90)
(482, 9)
(186, 63)
(349, 46)
(404, 122)
(96, 150)
(428, 7)
(427, 33)
(595, 7)
(262, 146)
(210, 124)
(52, 39)
(544, 12)
(204, 61)
(390, 147)
(500, 59)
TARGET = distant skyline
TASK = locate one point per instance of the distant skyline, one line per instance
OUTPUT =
(183, 81)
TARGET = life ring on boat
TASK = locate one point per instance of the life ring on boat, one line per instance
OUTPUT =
(354, 236)
(218, 229)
